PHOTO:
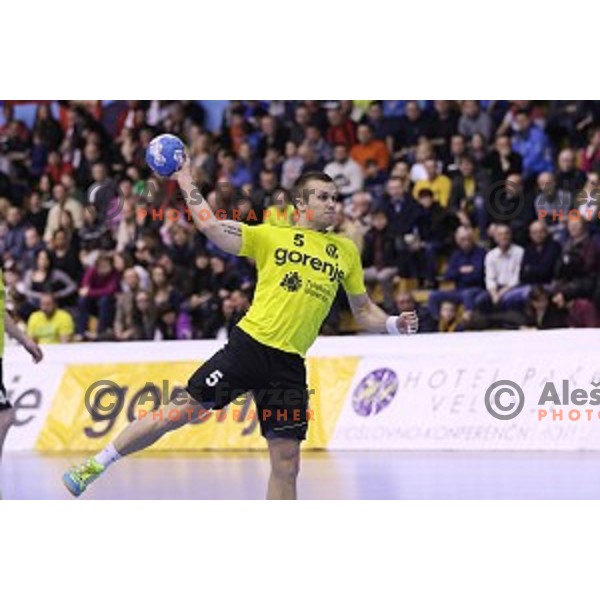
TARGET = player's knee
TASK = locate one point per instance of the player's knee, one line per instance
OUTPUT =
(285, 460)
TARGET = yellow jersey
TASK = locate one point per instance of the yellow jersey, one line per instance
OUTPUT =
(299, 273)
(46, 330)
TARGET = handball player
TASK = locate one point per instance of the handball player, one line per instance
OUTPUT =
(300, 268)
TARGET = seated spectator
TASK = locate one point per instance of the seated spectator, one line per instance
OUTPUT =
(227, 319)
(375, 180)
(380, 257)
(512, 205)
(172, 325)
(14, 237)
(458, 150)
(541, 313)
(36, 215)
(292, 166)
(222, 281)
(582, 313)
(360, 211)
(439, 184)
(99, 287)
(179, 246)
(347, 227)
(94, 236)
(44, 278)
(402, 210)
(502, 271)
(465, 270)
(128, 226)
(311, 160)
(318, 144)
(282, 212)
(300, 123)
(466, 197)
(272, 136)
(405, 301)
(588, 200)
(450, 319)
(589, 156)
(345, 172)
(569, 178)
(423, 153)
(533, 145)
(144, 317)
(50, 324)
(540, 257)
(241, 304)
(341, 129)
(473, 120)
(33, 244)
(124, 326)
(65, 256)
(577, 268)
(478, 149)
(16, 303)
(163, 292)
(444, 125)
(201, 305)
(412, 126)
(503, 160)
(368, 148)
(435, 228)
(61, 202)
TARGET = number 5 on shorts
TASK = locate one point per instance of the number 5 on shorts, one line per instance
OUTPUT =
(213, 378)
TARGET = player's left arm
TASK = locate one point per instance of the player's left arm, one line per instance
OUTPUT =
(371, 318)
(13, 330)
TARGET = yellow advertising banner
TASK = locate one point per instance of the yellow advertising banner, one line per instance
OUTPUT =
(94, 403)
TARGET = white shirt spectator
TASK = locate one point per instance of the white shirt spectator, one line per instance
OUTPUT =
(53, 222)
(347, 176)
(502, 269)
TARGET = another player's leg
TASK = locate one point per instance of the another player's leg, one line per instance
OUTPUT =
(284, 454)
(7, 416)
(7, 412)
(138, 435)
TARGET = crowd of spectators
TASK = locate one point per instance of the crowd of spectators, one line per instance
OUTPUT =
(487, 207)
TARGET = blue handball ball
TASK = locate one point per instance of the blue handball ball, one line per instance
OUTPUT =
(165, 154)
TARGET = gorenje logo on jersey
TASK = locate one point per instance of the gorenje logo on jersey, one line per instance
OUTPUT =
(283, 256)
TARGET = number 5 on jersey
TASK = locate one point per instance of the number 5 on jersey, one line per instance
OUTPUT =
(214, 378)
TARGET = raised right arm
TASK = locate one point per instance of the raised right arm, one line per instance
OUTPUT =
(226, 234)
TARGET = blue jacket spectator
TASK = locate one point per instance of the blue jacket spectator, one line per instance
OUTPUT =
(465, 270)
(533, 145)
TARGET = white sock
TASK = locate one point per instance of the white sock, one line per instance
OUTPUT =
(108, 456)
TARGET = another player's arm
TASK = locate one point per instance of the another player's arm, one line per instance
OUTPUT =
(370, 317)
(13, 330)
(226, 234)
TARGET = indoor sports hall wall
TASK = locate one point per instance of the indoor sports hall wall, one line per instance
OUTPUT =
(372, 392)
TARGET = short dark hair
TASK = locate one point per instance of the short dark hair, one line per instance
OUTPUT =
(303, 180)
(424, 193)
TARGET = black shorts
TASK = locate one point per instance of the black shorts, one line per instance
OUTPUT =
(277, 380)
(4, 403)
